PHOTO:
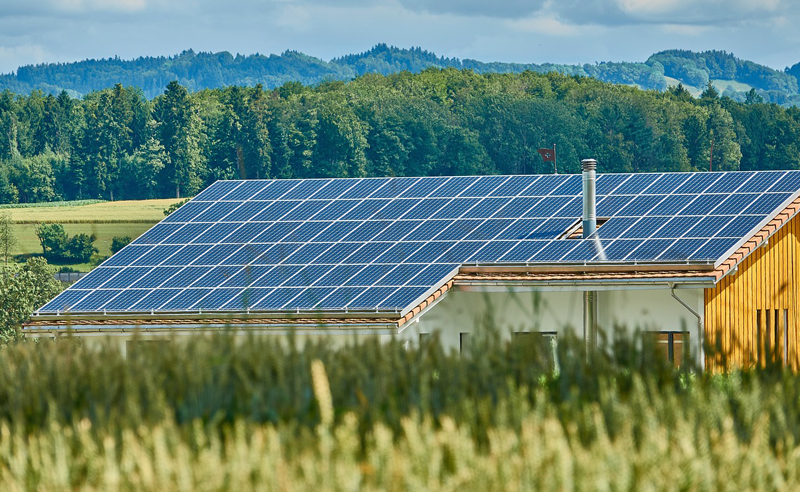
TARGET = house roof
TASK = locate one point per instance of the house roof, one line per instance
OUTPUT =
(387, 245)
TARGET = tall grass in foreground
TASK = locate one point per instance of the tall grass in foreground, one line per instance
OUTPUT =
(227, 413)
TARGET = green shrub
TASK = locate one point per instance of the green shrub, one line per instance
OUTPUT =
(58, 246)
(119, 242)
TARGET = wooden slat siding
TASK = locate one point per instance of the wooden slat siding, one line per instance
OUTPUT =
(766, 280)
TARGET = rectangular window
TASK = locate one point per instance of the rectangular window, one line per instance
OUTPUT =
(785, 337)
(541, 344)
(759, 338)
(424, 338)
(672, 345)
(463, 342)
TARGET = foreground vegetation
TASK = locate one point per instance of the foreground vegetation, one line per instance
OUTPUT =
(228, 413)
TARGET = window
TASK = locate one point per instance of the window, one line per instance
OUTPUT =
(463, 342)
(424, 338)
(672, 345)
(543, 345)
(772, 336)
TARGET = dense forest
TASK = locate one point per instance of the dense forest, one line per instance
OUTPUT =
(197, 71)
(116, 144)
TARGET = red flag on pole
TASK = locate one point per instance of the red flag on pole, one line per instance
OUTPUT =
(548, 155)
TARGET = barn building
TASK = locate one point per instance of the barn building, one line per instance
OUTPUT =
(683, 256)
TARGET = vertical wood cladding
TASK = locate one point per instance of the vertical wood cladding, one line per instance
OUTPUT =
(752, 315)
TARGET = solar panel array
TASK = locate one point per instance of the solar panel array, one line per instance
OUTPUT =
(384, 243)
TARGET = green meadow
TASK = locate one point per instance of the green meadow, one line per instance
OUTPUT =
(105, 220)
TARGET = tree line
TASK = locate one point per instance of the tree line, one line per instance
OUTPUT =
(116, 144)
(203, 70)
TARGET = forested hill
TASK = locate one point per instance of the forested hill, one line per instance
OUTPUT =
(731, 76)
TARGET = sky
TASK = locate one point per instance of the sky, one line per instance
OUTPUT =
(525, 31)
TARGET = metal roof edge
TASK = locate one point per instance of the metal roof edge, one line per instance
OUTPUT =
(231, 315)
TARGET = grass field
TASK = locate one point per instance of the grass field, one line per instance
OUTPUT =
(104, 220)
(719, 84)
(145, 211)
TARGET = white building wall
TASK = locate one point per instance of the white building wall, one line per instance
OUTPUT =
(460, 311)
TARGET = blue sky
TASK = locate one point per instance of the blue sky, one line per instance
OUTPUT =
(537, 31)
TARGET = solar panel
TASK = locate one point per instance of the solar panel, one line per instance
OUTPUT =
(380, 243)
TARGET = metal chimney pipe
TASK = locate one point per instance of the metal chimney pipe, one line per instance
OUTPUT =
(589, 167)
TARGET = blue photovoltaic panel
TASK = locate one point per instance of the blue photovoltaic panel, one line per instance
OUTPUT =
(402, 297)
(610, 205)
(125, 299)
(522, 252)
(154, 300)
(98, 277)
(340, 297)
(637, 184)
(571, 186)
(668, 183)
(484, 186)
(334, 189)
(364, 188)
(186, 234)
(185, 277)
(246, 190)
(217, 191)
(492, 252)
(368, 275)
(520, 229)
(518, 206)
(619, 249)
(728, 183)
(676, 227)
(513, 186)
(185, 300)
(158, 233)
(789, 183)
(455, 208)
(394, 188)
(125, 278)
(697, 183)
(672, 205)
(155, 277)
(216, 212)
(459, 229)
(246, 276)
(338, 275)
(276, 190)
(378, 243)
(455, 186)
(428, 230)
(766, 203)
(217, 298)
(305, 188)
(372, 298)
(607, 183)
(65, 300)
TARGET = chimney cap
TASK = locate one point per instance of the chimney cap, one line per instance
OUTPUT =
(589, 164)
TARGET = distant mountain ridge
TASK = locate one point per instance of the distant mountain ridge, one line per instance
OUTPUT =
(732, 76)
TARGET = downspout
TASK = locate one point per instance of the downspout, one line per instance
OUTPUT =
(700, 337)
(589, 167)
